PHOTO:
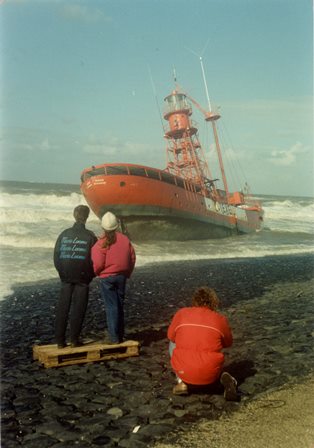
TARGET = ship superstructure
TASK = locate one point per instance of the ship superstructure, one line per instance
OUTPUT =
(184, 196)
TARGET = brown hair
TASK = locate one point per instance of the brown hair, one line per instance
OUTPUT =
(205, 297)
(110, 238)
(81, 213)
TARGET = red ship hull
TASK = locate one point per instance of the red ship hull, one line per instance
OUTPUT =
(156, 197)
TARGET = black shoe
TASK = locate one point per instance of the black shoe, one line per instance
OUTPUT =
(230, 385)
(109, 342)
(76, 344)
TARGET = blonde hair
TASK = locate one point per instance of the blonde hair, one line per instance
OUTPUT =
(205, 296)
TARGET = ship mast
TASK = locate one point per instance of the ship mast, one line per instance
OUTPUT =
(212, 118)
(185, 156)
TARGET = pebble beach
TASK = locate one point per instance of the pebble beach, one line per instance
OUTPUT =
(129, 402)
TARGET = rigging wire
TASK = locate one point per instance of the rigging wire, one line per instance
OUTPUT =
(232, 170)
(156, 100)
(235, 170)
(225, 130)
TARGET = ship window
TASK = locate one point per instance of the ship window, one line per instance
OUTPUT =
(137, 171)
(153, 174)
(180, 182)
(166, 177)
(95, 172)
(197, 188)
(117, 169)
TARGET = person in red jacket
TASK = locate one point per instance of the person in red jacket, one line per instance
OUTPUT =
(113, 259)
(197, 336)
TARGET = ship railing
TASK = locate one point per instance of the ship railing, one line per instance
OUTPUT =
(168, 175)
(251, 203)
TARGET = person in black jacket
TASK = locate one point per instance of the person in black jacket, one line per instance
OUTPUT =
(72, 259)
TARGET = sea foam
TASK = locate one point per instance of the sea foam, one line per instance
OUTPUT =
(31, 221)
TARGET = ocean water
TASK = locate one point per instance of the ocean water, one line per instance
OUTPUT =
(32, 215)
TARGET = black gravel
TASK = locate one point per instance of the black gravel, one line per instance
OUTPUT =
(270, 307)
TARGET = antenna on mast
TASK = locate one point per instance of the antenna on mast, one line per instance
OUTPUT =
(174, 74)
(203, 72)
(205, 83)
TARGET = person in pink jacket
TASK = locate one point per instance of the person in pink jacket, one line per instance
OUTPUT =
(197, 336)
(113, 259)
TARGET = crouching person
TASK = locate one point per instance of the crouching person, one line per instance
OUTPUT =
(197, 336)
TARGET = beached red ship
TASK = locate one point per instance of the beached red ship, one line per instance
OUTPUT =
(183, 200)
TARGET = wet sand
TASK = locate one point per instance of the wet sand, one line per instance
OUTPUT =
(128, 403)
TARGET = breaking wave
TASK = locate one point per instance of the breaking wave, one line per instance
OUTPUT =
(32, 216)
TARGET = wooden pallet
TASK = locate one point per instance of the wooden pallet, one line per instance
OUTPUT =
(52, 356)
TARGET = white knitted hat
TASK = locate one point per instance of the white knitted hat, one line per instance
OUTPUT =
(109, 222)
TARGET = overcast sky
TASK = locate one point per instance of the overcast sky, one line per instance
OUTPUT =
(81, 80)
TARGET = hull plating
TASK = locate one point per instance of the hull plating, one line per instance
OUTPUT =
(153, 208)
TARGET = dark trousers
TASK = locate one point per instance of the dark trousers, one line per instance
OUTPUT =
(73, 296)
(113, 292)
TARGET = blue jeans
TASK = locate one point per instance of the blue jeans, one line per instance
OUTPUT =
(113, 292)
(172, 346)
